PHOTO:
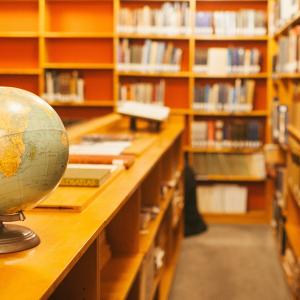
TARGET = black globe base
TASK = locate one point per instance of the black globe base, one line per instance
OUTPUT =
(14, 238)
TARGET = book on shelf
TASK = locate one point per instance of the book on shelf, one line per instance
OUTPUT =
(222, 199)
(169, 19)
(236, 134)
(88, 175)
(143, 92)
(232, 165)
(280, 118)
(63, 86)
(295, 106)
(244, 22)
(227, 60)
(227, 97)
(288, 54)
(152, 56)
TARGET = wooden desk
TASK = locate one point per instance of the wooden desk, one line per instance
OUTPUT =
(66, 263)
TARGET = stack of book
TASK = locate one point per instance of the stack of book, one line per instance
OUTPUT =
(171, 18)
(288, 56)
(280, 121)
(225, 96)
(227, 60)
(144, 92)
(232, 165)
(284, 10)
(153, 56)
(243, 22)
(63, 86)
(222, 198)
(226, 134)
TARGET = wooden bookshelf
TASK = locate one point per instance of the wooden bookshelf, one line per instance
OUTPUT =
(69, 256)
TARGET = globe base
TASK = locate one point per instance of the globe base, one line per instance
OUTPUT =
(14, 238)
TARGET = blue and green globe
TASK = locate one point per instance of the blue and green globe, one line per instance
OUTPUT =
(34, 149)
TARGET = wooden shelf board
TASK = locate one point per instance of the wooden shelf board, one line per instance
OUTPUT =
(289, 23)
(215, 37)
(180, 111)
(20, 71)
(254, 76)
(118, 275)
(157, 74)
(293, 233)
(220, 150)
(154, 36)
(146, 239)
(86, 103)
(94, 66)
(225, 178)
(286, 76)
(254, 113)
(294, 132)
(78, 35)
(252, 217)
(19, 34)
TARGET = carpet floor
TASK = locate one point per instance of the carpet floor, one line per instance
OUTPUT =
(230, 262)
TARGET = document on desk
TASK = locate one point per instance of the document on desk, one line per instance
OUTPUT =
(100, 148)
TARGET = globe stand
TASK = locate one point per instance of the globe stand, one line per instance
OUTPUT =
(14, 238)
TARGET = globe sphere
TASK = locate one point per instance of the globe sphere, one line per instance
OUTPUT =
(34, 149)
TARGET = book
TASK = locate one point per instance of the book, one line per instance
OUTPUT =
(237, 97)
(88, 175)
(219, 60)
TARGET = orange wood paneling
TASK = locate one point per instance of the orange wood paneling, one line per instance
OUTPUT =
(19, 53)
(177, 93)
(81, 16)
(26, 82)
(230, 5)
(78, 50)
(77, 113)
(18, 16)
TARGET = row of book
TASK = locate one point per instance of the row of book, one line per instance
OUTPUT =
(151, 56)
(237, 97)
(227, 60)
(229, 134)
(64, 86)
(170, 18)
(144, 92)
(222, 198)
(280, 121)
(288, 56)
(242, 22)
(284, 10)
(236, 165)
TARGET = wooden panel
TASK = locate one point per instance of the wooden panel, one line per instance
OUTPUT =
(19, 53)
(77, 16)
(83, 280)
(177, 93)
(230, 5)
(26, 82)
(79, 50)
(26, 14)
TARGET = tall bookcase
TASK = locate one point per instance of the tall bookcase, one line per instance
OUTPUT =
(41, 35)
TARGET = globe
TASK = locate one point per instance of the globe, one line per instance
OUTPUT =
(34, 149)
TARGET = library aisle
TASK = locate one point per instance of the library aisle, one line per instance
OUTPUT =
(238, 262)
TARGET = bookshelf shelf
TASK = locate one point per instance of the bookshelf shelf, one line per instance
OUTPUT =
(220, 150)
(230, 38)
(156, 74)
(19, 34)
(288, 24)
(15, 71)
(78, 35)
(91, 66)
(293, 233)
(87, 103)
(285, 76)
(249, 114)
(223, 178)
(294, 132)
(118, 275)
(153, 36)
(254, 76)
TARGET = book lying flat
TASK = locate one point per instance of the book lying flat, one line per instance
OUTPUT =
(92, 175)
(125, 160)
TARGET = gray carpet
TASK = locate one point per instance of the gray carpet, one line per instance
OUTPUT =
(230, 262)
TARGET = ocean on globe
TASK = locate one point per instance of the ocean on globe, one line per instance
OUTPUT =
(34, 149)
